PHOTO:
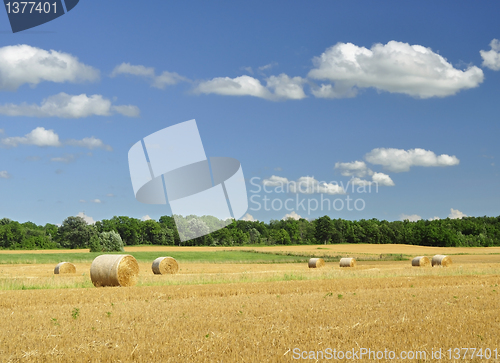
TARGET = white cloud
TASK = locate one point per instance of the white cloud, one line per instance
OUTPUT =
(2, 131)
(38, 137)
(395, 67)
(5, 175)
(355, 168)
(399, 160)
(275, 181)
(97, 201)
(382, 179)
(309, 185)
(278, 87)
(111, 195)
(248, 217)
(127, 68)
(161, 81)
(287, 87)
(239, 86)
(491, 58)
(23, 64)
(44, 138)
(358, 169)
(268, 66)
(456, 214)
(278, 169)
(146, 218)
(329, 91)
(68, 158)
(292, 215)
(434, 218)
(167, 79)
(69, 106)
(411, 218)
(86, 218)
(89, 143)
(83, 201)
(303, 185)
(360, 182)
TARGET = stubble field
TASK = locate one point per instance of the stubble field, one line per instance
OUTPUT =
(232, 311)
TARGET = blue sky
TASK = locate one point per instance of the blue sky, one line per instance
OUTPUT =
(341, 92)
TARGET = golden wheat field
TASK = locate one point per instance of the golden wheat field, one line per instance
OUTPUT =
(259, 312)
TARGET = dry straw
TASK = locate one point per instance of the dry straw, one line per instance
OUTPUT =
(420, 261)
(165, 266)
(316, 263)
(441, 260)
(65, 268)
(347, 262)
(114, 270)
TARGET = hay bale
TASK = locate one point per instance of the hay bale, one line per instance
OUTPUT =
(114, 270)
(165, 266)
(316, 263)
(441, 260)
(420, 261)
(347, 262)
(64, 268)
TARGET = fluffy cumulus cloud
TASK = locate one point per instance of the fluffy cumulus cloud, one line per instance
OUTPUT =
(399, 160)
(70, 106)
(303, 185)
(292, 215)
(162, 81)
(248, 217)
(239, 86)
(275, 181)
(285, 87)
(309, 185)
(394, 67)
(146, 218)
(280, 87)
(358, 169)
(456, 214)
(411, 218)
(38, 137)
(4, 174)
(86, 218)
(491, 58)
(355, 168)
(24, 64)
(382, 179)
(48, 138)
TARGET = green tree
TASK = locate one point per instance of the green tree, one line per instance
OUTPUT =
(74, 233)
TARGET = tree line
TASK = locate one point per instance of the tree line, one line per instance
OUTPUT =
(114, 233)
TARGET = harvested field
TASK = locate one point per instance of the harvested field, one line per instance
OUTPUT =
(255, 312)
(249, 322)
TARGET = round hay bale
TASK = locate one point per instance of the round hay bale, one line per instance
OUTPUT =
(347, 262)
(441, 260)
(165, 266)
(420, 261)
(114, 270)
(316, 263)
(65, 268)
